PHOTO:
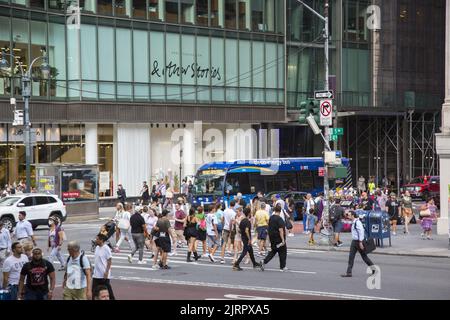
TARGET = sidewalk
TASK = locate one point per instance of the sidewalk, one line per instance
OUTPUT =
(403, 245)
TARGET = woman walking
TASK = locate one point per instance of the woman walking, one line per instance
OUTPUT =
(428, 216)
(55, 241)
(237, 246)
(117, 217)
(407, 211)
(190, 233)
(201, 228)
(124, 226)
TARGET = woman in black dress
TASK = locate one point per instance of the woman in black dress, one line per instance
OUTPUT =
(190, 233)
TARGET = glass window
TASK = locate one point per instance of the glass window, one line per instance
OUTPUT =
(187, 11)
(216, 17)
(140, 56)
(217, 62)
(123, 56)
(122, 8)
(271, 65)
(351, 21)
(51, 200)
(89, 89)
(20, 49)
(73, 54)
(258, 64)
(284, 181)
(202, 12)
(21, 2)
(104, 7)
(237, 182)
(172, 11)
(257, 182)
(41, 200)
(106, 64)
(157, 57)
(188, 60)
(153, 10)
(280, 66)
(37, 3)
(88, 36)
(269, 15)
(38, 44)
(139, 8)
(305, 178)
(5, 82)
(56, 4)
(28, 201)
(244, 14)
(88, 5)
(245, 63)
(231, 63)
(202, 72)
(173, 73)
(257, 16)
(230, 14)
(107, 90)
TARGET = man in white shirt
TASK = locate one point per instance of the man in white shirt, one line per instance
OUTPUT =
(309, 204)
(212, 234)
(5, 244)
(102, 265)
(24, 229)
(11, 269)
(77, 279)
(228, 217)
(357, 244)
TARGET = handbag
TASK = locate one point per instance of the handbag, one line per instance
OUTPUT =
(288, 222)
(425, 213)
(124, 224)
(369, 245)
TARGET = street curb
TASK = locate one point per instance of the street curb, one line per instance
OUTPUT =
(84, 218)
(407, 254)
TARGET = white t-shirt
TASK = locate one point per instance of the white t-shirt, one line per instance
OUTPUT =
(228, 215)
(211, 219)
(14, 265)
(150, 222)
(102, 254)
(76, 279)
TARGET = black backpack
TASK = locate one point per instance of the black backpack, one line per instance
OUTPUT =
(334, 214)
(81, 263)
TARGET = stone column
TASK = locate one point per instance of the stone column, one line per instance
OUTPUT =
(443, 138)
(91, 150)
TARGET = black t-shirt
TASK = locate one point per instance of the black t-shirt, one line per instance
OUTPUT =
(275, 223)
(392, 206)
(37, 275)
(145, 194)
(245, 223)
(367, 204)
(337, 212)
(136, 222)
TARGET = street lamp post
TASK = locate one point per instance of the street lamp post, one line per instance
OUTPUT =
(181, 155)
(26, 94)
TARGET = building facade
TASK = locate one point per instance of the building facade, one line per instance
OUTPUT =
(136, 71)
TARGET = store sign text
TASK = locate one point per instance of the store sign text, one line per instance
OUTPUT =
(193, 70)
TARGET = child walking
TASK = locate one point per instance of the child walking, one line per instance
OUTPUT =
(311, 221)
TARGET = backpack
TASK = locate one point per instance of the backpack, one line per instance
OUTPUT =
(202, 224)
(334, 215)
(81, 263)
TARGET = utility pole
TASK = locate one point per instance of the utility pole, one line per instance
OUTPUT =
(326, 35)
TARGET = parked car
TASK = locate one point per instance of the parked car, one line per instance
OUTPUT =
(423, 187)
(299, 199)
(38, 207)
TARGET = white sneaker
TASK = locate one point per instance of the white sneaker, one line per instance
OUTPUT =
(130, 258)
(173, 253)
(141, 262)
(394, 233)
(211, 258)
(222, 261)
(155, 267)
(290, 235)
(284, 269)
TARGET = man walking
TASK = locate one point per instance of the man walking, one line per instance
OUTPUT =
(138, 227)
(228, 217)
(262, 223)
(11, 269)
(245, 228)
(357, 245)
(212, 234)
(78, 277)
(37, 272)
(309, 204)
(5, 244)
(180, 220)
(336, 216)
(24, 229)
(102, 265)
(277, 236)
(121, 194)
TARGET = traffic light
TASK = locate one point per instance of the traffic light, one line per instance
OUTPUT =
(310, 106)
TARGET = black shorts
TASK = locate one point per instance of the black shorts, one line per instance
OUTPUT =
(201, 235)
(164, 243)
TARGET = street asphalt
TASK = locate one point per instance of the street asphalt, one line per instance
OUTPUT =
(313, 274)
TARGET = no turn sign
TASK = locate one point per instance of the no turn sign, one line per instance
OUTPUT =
(326, 112)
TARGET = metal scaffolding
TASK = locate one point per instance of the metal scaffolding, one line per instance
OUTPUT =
(399, 146)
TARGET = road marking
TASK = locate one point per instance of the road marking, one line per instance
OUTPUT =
(175, 262)
(253, 288)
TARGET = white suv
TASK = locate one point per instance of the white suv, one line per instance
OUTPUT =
(38, 207)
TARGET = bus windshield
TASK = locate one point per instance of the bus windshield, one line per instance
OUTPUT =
(209, 184)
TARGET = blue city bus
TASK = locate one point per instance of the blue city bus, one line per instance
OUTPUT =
(220, 181)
